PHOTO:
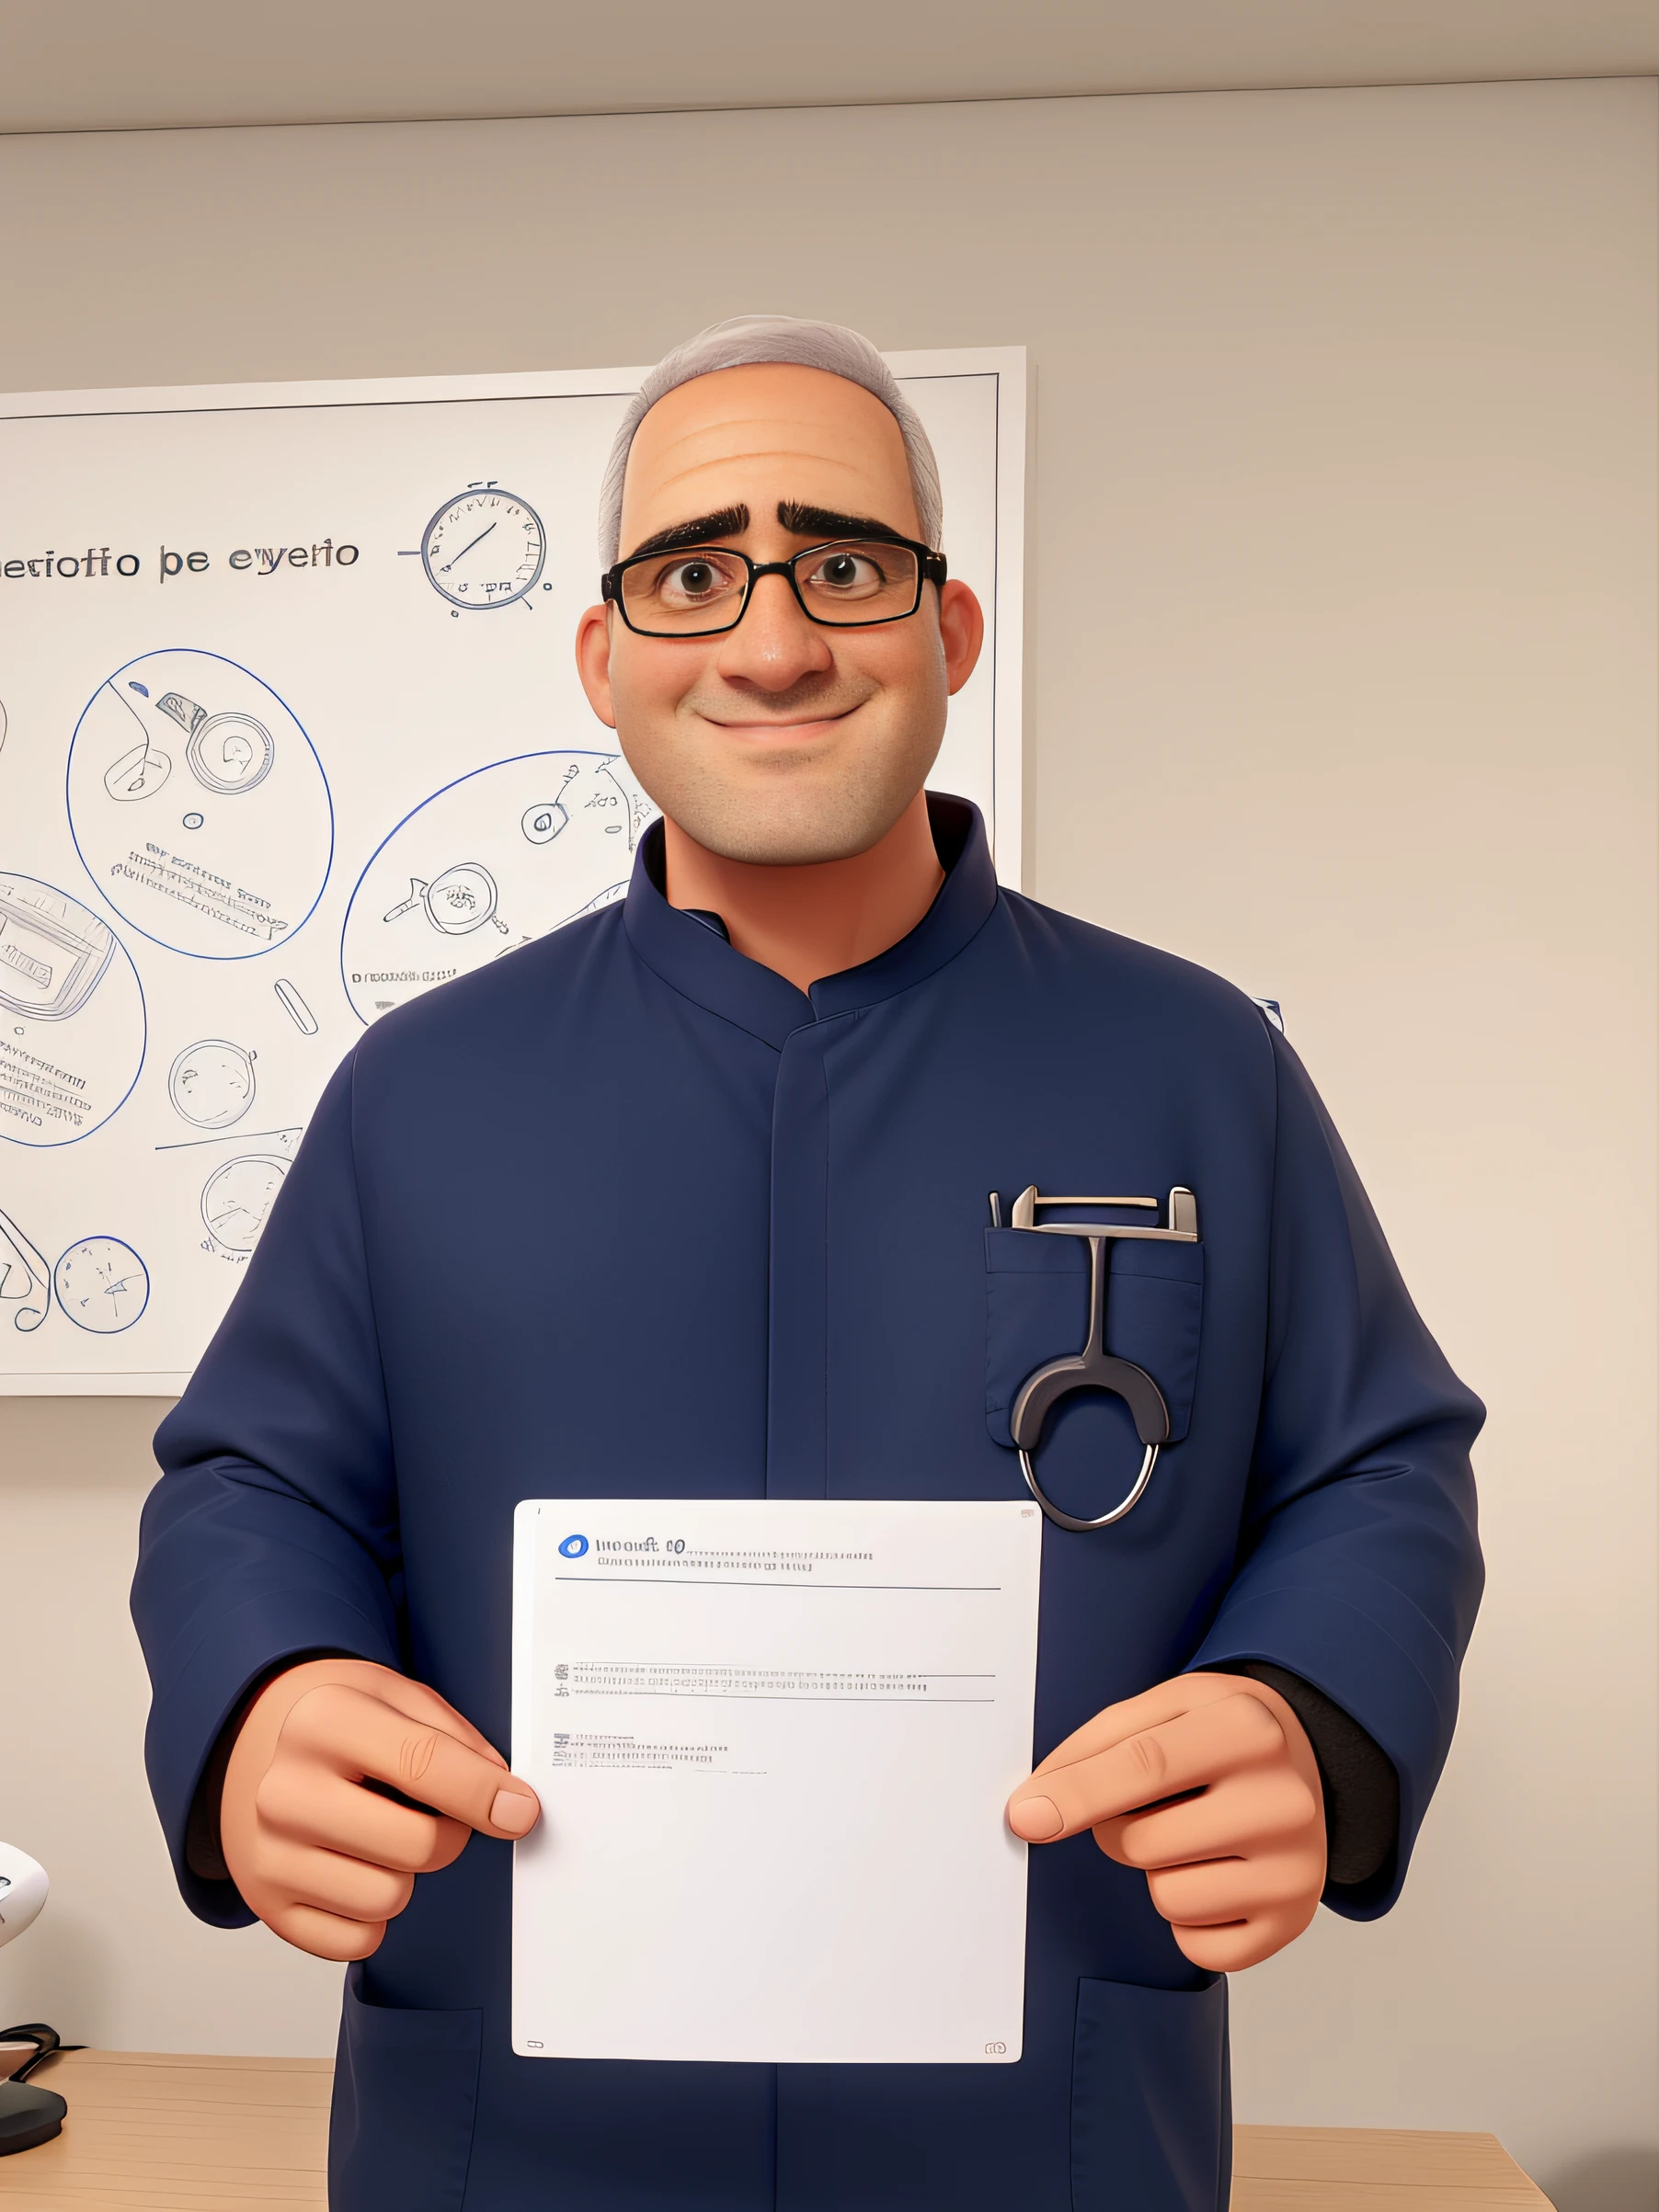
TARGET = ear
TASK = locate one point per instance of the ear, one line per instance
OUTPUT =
(961, 632)
(593, 661)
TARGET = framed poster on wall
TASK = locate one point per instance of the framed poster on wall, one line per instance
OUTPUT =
(291, 733)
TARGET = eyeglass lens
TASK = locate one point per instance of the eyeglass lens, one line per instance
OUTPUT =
(679, 594)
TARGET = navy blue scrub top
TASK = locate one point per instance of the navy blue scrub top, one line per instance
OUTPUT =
(626, 1213)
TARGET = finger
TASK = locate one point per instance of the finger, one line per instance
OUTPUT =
(361, 1735)
(1243, 1814)
(328, 1812)
(326, 1934)
(1133, 1715)
(1224, 1891)
(1245, 1943)
(1192, 1751)
(329, 1882)
(419, 1703)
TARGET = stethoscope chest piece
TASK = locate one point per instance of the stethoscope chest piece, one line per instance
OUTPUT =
(1095, 1368)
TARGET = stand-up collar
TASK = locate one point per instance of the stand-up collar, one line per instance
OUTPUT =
(693, 958)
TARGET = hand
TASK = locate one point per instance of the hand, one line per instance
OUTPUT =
(1236, 1864)
(325, 1862)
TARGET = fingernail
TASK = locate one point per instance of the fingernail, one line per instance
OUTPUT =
(1035, 1818)
(513, 1811)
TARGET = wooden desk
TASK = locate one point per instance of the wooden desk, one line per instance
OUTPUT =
(148, 2133)
(1374, 2170)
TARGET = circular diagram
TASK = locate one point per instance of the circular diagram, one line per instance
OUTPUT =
(72, 1016)
(485, 865)
(230, 754)
(484, 548)
(236, 1199)
(198, 805)
(102, 1284)
(211, 1083)
(459, 901)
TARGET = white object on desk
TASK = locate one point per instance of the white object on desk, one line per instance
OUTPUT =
(23, 1887)
(773, 1740)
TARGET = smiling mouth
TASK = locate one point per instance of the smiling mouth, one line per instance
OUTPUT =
(797, 722)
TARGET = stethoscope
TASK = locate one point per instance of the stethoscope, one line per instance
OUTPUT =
(1094, 1368)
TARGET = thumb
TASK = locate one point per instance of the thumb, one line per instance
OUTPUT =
(514, 1808)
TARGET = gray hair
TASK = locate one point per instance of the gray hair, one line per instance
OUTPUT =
(748, 341)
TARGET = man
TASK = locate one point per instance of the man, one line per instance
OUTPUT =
(820, 1035)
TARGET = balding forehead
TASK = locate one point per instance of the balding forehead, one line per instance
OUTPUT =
(764, 433)
(748, 340)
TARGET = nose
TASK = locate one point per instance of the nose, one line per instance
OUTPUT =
(775, 646)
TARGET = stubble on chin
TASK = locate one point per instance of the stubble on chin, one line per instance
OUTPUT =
(781, 819)
(788, 804)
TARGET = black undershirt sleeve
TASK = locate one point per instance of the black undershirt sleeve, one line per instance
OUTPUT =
(1361, 1788)
(203, 1850)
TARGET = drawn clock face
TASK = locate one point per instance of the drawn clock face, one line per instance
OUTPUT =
(238, 1197)
(211, 1083)
(484, 548)
(102, 1284)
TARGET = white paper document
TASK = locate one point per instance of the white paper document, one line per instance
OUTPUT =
(773, 1740)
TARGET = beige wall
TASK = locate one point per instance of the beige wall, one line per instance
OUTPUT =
(1343, 681)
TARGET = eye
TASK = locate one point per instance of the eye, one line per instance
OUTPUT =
(695, 579)
(846, 573)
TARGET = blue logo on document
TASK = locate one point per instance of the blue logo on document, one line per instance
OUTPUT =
(572, 1547)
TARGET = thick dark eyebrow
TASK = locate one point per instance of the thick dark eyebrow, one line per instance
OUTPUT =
(824, 522)
(725, 522)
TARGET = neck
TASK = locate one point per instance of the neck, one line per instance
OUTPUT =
(817, 919)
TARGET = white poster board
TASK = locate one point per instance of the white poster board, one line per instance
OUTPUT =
(290, 732)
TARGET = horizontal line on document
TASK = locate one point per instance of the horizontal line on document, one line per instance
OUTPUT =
(783, 1697)
(933, 1674)
(714, 1582)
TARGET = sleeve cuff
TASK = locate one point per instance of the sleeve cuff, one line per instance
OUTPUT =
(1335, 1644)
(1356, 1776)
(206, 1689)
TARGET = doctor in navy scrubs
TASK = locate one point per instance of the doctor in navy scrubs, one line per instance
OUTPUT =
(835, 1053)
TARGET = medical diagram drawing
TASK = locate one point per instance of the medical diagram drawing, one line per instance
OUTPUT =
(491, 861)
(100, 1283)
(485, 548)
(199, 806)
(211, 1083)
(202, 816)
(72, 1016)
(201, 813)
(238, 1197)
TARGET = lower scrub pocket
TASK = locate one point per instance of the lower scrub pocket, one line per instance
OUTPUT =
(1151, 2100)
(406, 2087)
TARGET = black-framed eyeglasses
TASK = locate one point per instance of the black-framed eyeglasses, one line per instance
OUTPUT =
(701, 590)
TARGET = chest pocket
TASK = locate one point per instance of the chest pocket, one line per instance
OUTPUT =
(1037, 1310)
